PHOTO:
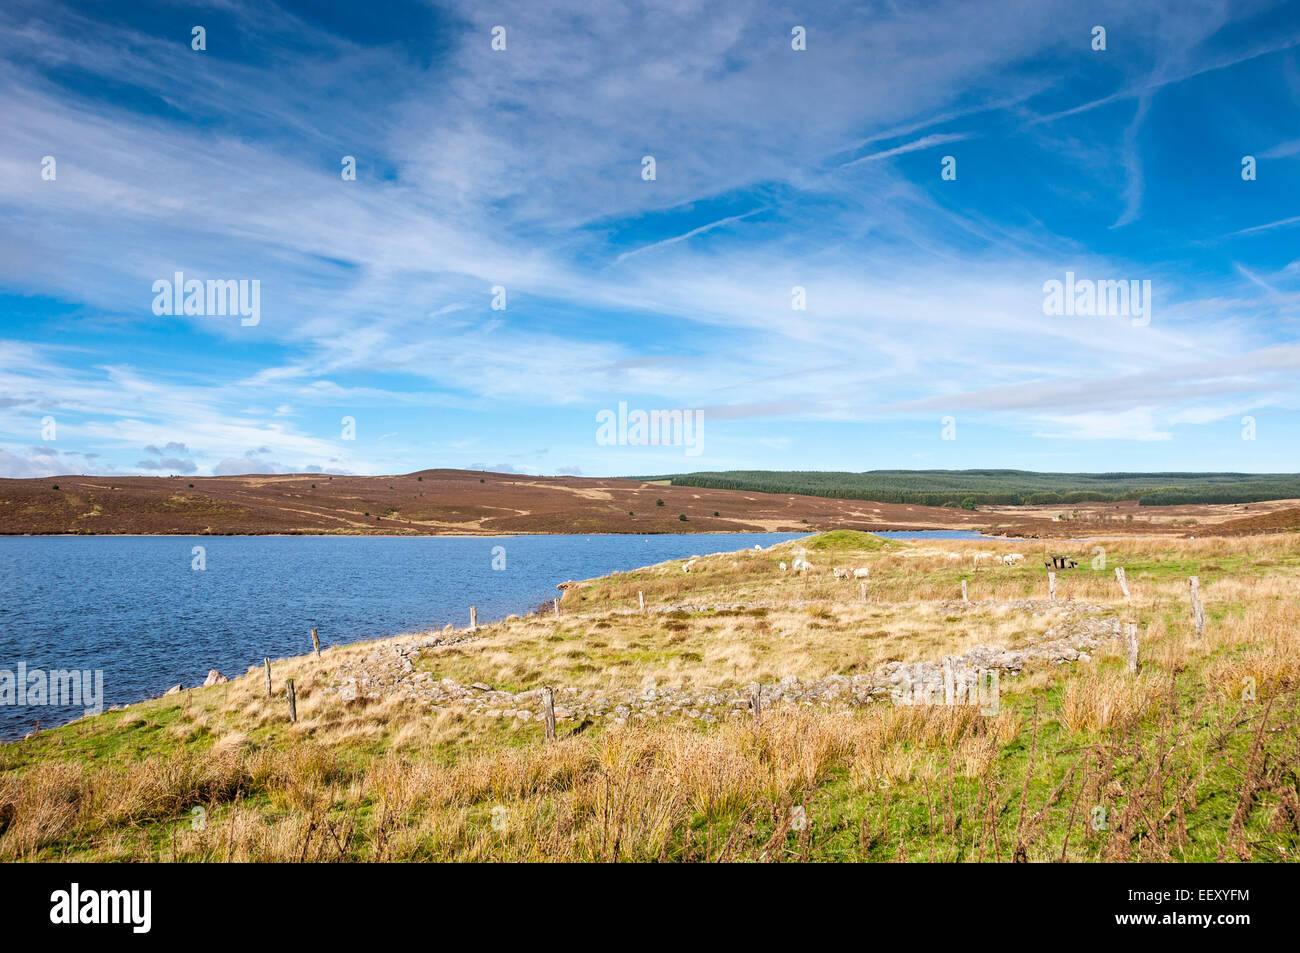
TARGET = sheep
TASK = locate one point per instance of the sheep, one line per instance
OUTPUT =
(686, 566)
(862, 573)
(1010, 559)
(954, 555)
(782, 567)
(801, 564)
(840, 573)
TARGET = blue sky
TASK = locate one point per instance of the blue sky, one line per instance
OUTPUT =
(775, 168)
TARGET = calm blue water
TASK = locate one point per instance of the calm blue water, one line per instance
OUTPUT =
(133, 606)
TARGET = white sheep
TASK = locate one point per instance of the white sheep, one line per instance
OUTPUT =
(686, 566)
(862, 573)
(1010, 559)
(840, 573)
(782, 567)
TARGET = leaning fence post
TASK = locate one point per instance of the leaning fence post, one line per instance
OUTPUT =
(267, 663)
(293, 699)
(1123, 583)
(964, 597)
(1131, 642)
(548, 711)
(641, 599)
(315, 642)
(1051, 583)
(473, 617)
(1198, 608)
(756, 701)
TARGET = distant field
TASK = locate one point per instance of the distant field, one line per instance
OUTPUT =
(970, 488)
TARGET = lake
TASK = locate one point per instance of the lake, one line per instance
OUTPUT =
(133, 606)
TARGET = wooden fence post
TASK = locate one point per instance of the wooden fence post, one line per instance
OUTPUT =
(315, 642)
(473, 617)
(640, 596)
(267, 663)
(557, 608)
(964, 597)
(548, 711)
(863, 590)
(1131, 642)
(756, 701)
(1051, 583)
(1123, 583)
(293, 699)
(1198, 608)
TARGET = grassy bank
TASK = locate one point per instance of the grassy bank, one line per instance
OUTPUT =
(1194, 757)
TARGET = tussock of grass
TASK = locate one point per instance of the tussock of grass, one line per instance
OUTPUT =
(847, 541)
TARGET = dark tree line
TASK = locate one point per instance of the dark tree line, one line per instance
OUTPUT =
(970, 488)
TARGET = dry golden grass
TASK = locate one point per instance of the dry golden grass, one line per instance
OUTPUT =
(1103, 701)
(620, 795)
(725, 649)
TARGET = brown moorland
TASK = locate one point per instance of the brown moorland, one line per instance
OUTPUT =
(470, 502)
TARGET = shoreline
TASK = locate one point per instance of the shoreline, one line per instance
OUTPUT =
(533, 611)
(540, 610)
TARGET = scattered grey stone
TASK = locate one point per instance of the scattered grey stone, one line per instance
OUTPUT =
(1077, 628)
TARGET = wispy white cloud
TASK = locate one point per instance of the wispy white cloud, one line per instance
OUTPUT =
(925, 142)
(1268, 226)
(1132, 162)
(1134, 424)
(729, 220)
(522, 170)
